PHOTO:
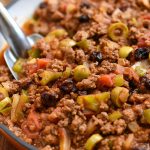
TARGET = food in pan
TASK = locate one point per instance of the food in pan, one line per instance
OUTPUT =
(86, 84)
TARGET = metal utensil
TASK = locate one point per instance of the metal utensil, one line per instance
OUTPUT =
(18, 42)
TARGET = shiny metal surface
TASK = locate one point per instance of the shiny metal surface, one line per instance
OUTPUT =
(18, 42)
(13, 34)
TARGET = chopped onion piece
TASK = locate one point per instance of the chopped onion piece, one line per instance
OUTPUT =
(65, 140)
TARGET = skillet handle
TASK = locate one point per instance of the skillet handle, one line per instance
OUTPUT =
(13, 34)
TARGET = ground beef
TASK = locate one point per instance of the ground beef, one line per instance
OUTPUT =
(105, 67)
(80, 57)
(89, 83)
(129, 115)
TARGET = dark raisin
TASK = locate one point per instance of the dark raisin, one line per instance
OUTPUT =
(132, 84)
(141, 53)
(123, 8)
(84, 18)
(68, 86)
(133, 41)
(96, 38)
(48, 99)
(146, 82)
(85, 5)
(96, 56)
(43, 5)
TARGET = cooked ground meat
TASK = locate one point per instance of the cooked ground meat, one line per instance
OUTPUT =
(85, 79)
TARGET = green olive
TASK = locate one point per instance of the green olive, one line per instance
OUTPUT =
(92, 141)
(18, 65)
(84, 44)
(57, 33)
(146, 114)
(81, 72)
(125, 51)
(140, 71)
(48, 76)
(93, 101)
(121, 28)
(67, 72)
(66, 43)
(3, 103)
(118, 80)
(115, 115)
(4, 92)
(119, 95)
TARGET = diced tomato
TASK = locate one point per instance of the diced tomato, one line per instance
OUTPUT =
(106, 80)
(146, 16)
(32, 120)
(42, 63)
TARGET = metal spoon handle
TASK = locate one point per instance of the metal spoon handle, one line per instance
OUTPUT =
(13, 34)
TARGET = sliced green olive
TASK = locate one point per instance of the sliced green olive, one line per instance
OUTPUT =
(92, 141)
(118, 80)
(146, 114)
(125, 51)
(93, 101)
(19, 109)
(34, 53)
(115, 115)
(5, 102)
(67, 72)
(117, 31)
(6, 111)
(57, 33)
(66, 43)
(18, 65)
(119, 95)
(48, 76)
(84, 44)
(4, 92)
(81, 72)
(140, 71)
(16, 98)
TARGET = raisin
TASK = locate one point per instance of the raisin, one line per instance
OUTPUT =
(85, 5)
(48, 99)
(132, 84)
(133, 41)
(84, 18)
(68, 86)
(43, 5)
(96, 38)
(146, 82)
(141, 53)
(96, 56)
